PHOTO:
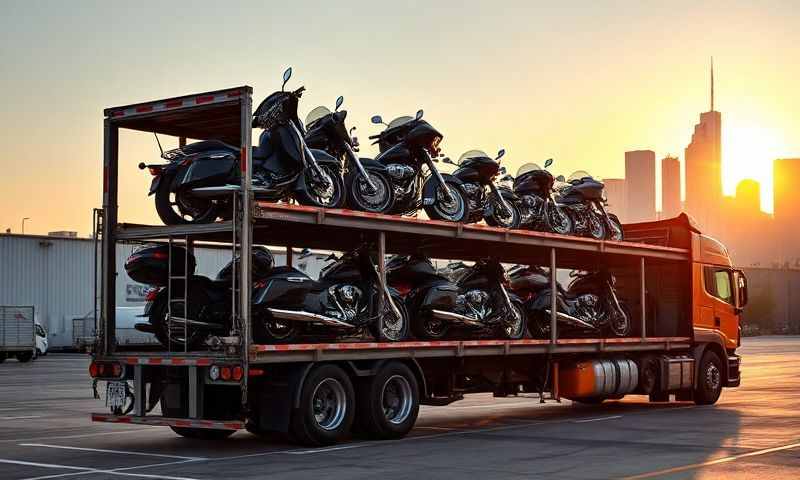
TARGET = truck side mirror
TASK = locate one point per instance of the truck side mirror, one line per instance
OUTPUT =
(741, 289)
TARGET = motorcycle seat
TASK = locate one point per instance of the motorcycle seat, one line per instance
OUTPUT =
(285, 271)
(206, 145)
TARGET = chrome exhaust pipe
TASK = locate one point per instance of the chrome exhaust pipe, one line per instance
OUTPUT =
(574, 321)
(455, 318)
(301, 316)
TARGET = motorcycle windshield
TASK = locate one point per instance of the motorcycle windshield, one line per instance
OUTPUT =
(316, 114)
(528, 167)
(578, 175)
(399, 121)
(472, 154)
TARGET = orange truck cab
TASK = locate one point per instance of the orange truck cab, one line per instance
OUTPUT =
(718, 290)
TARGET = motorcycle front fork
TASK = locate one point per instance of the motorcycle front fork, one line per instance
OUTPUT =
(500, 199)
(361, 170)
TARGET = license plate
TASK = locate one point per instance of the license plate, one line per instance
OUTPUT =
(115, 395)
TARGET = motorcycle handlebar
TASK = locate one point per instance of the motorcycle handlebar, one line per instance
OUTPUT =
(299, 92)
(373, 137)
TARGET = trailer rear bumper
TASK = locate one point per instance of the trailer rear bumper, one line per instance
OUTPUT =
(157, 421)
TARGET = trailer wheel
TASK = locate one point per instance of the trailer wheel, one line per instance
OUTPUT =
(388, 403)
(25, 357)
(709, 382)
(327, 407)
(202, 433)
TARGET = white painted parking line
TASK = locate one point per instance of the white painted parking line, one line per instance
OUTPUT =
(598, 419)
(86, 470)
(23, 417)
(323, 450)
(83, 435)
(113, 470)
(101, 450)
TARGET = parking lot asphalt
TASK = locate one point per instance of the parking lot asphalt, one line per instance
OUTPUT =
(752, 432)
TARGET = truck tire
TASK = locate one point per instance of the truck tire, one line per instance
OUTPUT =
(388, 403)
(327, 407)
(25, 357)
(709, 380)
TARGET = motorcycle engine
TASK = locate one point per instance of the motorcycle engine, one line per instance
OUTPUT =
(532, 206)
(347, 299)
(475, 304)
(402, 176)
(588, 308)
(399, 172)
(475, 196)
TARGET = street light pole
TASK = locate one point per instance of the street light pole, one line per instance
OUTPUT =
(23, 224)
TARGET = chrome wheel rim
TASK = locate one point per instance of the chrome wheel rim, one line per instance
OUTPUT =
(559, 220)
(512, 329)
(376, 201)
(278, 330)
(396, 399)
(596, 228)
(506, 221)
(324, 194)
(713, 377)
(329, 404)
(452, 210)
(393, 325)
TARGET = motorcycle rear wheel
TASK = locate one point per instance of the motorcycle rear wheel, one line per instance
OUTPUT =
(174, 337)
(175, 211)
(424, 326)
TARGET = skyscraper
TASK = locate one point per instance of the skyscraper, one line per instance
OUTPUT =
(670, 187)
(703, 167)
(615, 194)
(785, 172)
(640, 179)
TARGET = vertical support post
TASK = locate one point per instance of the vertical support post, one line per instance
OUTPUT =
(139, 392)
(289, 256)
(553, 298)
(382, 275)
(189, 245)
(181, 142)
(556, 389)
(246, 235)
(643, 298)
(109, 246)
(194, 392)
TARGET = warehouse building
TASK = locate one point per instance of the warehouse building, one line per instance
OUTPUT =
(55, 275)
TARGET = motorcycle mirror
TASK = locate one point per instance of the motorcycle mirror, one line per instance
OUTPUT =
(500, 153)
(548, 162)
(352, 129)
(418, 115)
(339, 102)
(377, 120)
(286, 76)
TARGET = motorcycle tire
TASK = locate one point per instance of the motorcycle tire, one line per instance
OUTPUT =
(270, 331)
(557, 220)
(337, 195)
(539, 325)
(174, 341)
(358, 198)
(597, 227)
(165, 207)
(621, 330)
(493, 219)
(615, 230)
(458, 212)
(425, 327)
(516, 332)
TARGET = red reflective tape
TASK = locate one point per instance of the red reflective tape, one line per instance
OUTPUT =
(243, 159)
(173, 103)
(145, 108)
(118, 113)
(204, 99)
(131, 360)
(178, 361)
(203, 362)
(123, 420)
(232, 426)
(234, 93)
(182, 423)
(154, 361)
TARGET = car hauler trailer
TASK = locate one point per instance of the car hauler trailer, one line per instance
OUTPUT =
(672, 277)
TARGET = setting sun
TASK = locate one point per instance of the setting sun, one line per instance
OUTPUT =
(747, 152)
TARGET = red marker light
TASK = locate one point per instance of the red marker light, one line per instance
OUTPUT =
(225, 373)
(238, 372)
(93, 370)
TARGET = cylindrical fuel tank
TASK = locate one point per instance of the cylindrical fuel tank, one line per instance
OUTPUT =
(598, 378)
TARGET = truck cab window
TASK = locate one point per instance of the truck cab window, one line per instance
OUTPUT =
(718, 282)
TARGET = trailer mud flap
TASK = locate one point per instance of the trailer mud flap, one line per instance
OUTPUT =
(278, 398)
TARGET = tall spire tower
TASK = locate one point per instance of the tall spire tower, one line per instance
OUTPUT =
(712, 84)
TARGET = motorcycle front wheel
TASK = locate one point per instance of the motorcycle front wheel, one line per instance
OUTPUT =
(359, 196)
(597, 227)
(539, 325)
(558, 220)
(456, 210)
(615, 231)
(179, 208)
(394, 329)
(319, 194)
(515, 329)
(495, 218)
(620, 325)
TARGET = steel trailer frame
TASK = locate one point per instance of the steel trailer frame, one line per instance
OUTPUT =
(225, 114)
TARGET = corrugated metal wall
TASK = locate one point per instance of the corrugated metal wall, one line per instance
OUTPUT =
(55, 276)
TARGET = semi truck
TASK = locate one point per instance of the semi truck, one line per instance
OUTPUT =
(680, 286)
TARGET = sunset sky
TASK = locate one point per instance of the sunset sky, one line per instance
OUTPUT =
(581, 82)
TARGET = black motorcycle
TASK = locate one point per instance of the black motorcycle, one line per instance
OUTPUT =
(584, 199)
(589, 306)
(475, 300)
(198, 183)
(185, 312)
(409, 148)
(539, 210)
(343, 302)
(366, 181)
(487, 202)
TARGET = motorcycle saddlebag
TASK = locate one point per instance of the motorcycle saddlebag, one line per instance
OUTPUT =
(150, 264)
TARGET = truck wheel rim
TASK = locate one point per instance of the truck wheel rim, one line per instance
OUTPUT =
(329, 404)
(713, 378)
(396, 399)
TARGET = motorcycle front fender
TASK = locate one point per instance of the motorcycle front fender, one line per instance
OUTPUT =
(432, 185)
(372, 165)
